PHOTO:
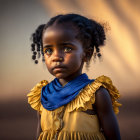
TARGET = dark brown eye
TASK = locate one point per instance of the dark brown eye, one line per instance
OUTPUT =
(67, 49)
(48, 51)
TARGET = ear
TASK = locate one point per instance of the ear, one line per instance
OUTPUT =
(87, 56)
(84, 57)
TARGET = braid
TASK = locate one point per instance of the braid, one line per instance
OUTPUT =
(36, 45)
(89, 32)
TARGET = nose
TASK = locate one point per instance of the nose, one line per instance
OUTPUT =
(57, 56)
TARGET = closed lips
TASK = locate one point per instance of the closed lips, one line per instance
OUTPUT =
(59, 67)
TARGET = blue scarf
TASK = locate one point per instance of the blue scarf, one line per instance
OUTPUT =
(54, 95)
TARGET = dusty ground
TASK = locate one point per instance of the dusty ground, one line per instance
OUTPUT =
(18, 120)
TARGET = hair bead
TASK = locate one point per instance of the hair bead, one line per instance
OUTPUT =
(34, 53)
(36, 61)
(33, 57)
(33, 45)
(33, 49)
(98, 54)
(38, 49)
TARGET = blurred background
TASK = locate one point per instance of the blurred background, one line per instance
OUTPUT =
(18, 73)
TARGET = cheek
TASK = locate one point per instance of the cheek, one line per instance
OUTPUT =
(47, 61)
(79, 56)
(75, 59)
(48, 65)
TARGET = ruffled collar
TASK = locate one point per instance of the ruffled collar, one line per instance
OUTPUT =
(54, 95)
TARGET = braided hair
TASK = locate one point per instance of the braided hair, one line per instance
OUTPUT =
(89, 32)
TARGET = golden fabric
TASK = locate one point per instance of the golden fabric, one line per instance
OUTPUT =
(70, 122)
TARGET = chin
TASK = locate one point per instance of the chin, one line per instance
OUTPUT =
(60, 75)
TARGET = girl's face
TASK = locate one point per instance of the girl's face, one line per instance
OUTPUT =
(64, 54)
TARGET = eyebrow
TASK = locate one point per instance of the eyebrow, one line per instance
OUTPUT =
(64, 43)
(47, 46)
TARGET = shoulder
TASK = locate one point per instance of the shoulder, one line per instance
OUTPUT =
(106, 94)
(102, 94)
(103, 100)
(106, 102)
(34, 95)
(101, 91)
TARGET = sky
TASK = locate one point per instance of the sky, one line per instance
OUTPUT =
(20, 18)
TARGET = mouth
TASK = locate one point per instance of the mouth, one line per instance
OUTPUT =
(58, 68)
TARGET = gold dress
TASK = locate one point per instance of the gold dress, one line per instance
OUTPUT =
(71, 122)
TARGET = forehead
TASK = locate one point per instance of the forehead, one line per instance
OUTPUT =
(61, 32)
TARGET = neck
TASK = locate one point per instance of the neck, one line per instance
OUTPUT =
(64, 81)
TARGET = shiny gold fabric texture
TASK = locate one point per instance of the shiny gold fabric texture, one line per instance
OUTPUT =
(70, 122)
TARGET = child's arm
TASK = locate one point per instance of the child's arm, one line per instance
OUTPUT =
(38, 126)
(106, 115)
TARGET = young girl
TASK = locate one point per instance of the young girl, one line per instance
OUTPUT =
(72, 106)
